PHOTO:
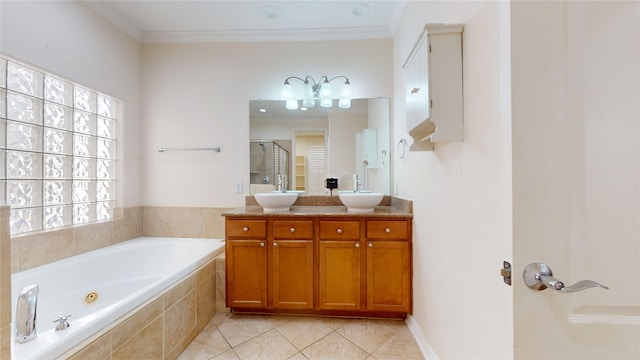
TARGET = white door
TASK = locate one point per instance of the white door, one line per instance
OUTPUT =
(576, 176)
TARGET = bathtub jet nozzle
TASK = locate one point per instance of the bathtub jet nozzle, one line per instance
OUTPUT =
(26, 314)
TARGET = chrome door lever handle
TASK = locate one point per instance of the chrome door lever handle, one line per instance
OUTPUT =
(538, 276)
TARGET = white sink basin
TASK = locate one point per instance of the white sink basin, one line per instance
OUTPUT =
(276, 201)
(360, 201)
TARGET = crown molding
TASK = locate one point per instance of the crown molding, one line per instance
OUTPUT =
(266, 35)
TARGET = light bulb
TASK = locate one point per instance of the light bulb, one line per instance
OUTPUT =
(344, 103)
(292, 104)
(325, 90)
(326, 102)
(287, 91)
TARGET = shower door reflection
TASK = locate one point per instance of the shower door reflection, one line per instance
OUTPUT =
(268, 159)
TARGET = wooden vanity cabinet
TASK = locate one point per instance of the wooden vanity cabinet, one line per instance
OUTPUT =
(291, 264)
(339, 265)
(388, 266)
(246, 263)
(349, 265)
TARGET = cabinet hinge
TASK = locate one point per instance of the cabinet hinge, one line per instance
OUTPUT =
(431, 104)
(429, 48)
(505, 272)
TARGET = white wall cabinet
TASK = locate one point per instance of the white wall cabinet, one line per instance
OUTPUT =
(433, 80)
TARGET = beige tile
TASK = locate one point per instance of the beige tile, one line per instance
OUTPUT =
(5, 276)
(334, 346)
(214, 223)
(188, 222)
(5, 342)
(268, 346)
(180, 291)
(221, 289)
(157, 221)
(147, 344)
(227, 355)
(129, 226)
(207, 271)
(92, 236)
(206, 301)
(302, 332)
(298, 356)
(207, 344)
(239, 328)
(368, 334)
(100, 349)
(45, 247)
(15, 254)
(399, 347)
(180, 321)
(131, 326)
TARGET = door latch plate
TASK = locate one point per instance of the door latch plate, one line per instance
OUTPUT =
(505, 272)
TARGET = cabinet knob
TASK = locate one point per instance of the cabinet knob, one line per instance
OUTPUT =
(245, 229)
(415, 90)
(370, 245)
(339, 231)
(262, 244)
(357, 245)
(275, 244)
(387, 230)
(292, 229)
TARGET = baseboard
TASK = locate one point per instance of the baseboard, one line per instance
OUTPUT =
(421, 340)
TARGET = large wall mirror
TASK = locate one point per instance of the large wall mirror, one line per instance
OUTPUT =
(309, 146)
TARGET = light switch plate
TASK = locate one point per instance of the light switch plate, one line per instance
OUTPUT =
(239, 187)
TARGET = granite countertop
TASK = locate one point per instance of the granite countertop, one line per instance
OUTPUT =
(329, 206)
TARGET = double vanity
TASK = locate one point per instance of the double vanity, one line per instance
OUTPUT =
(319, 257)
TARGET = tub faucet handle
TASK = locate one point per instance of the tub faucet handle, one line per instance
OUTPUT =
(62, 322)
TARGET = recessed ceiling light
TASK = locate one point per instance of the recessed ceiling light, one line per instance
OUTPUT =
(262, 110)
(360, 9)
(270, 11)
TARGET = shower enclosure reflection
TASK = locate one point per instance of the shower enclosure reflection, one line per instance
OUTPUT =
(268, 159)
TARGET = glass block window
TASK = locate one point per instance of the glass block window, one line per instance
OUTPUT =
(57, 150)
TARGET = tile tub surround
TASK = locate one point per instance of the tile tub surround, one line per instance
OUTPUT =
(43, 247)
(31, 250)
(162, 327)
(234, 336)
(5, 284)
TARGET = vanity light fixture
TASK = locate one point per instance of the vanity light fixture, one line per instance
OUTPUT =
(316, 91)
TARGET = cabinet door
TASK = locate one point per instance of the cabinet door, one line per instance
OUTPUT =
(292, 274)
(388, 276)
(339, 274)
(246, 267)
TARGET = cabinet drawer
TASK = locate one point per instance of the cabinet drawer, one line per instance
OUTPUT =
(293, 229)
(339, 229)
(246, 228)
(387, 229)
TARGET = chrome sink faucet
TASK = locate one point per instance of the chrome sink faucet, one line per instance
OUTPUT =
(356, 183)
(26, 314)
(282, 183)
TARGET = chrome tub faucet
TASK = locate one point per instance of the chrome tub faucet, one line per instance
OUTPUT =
(26, 314)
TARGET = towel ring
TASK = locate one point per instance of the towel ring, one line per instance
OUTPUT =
(402, 148)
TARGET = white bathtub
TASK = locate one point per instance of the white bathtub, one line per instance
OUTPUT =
(124, 276)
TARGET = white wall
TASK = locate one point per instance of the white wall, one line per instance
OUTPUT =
(70, 40)
(197, 95)
(462, 197)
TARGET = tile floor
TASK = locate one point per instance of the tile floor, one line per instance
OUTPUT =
(254, 337)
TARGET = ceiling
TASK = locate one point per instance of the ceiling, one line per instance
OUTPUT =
(277, 20)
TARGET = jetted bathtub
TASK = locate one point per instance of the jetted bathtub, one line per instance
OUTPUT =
(99, 287)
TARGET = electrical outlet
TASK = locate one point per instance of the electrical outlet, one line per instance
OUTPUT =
(239, 187)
